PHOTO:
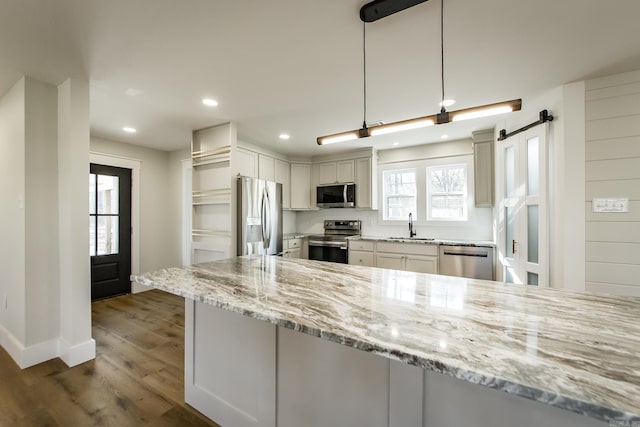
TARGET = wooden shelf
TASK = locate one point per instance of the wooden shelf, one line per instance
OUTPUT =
(218, 155)
(217, 196)
(199, 232)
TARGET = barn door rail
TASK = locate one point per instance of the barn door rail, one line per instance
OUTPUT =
(544, 117)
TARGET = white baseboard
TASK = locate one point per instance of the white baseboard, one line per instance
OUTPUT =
(137, 288)
(47, 350)
(76, 354)
(10, 344)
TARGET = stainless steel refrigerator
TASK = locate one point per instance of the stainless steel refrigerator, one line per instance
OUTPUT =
(259, 217)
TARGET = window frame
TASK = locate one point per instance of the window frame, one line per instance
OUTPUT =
(385, 196)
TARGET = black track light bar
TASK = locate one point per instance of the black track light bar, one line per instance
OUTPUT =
(378, 9)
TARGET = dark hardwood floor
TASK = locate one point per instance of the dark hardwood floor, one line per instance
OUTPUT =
(137, 378)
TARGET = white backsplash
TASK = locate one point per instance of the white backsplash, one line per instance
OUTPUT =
(479, 227)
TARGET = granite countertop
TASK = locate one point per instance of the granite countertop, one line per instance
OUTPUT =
(577, 351)
(289, 236)
(427, 241)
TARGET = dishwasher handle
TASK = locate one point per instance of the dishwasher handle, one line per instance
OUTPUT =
(479, 255)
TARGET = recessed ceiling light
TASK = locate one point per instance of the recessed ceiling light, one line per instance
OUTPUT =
(284, 136)
(129, 129)
(210, 102)
(396, 143)
(447, 102)
(444, 136)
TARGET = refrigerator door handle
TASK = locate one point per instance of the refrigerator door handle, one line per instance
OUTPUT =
(266, 220)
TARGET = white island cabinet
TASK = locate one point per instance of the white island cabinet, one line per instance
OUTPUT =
(289, 342)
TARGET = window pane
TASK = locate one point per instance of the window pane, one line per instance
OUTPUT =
(447, 206)
(399, 189)
(92, 193)
(447, 188)
(107, 194)
(533, 178)
(532, 279)
(92, 236)
(532, 233)
(509, 172)
(107, 235)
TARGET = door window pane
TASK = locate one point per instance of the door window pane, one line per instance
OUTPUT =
(533, 162)
(532, 279)
(532, 234)
(92, 236)
(107, 235)
(509, 172)
(107, 194)
(92, 193)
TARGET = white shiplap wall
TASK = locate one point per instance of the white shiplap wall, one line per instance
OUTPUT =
(613, 170)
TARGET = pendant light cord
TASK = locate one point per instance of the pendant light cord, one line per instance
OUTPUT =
(442, 109)
(364, 73)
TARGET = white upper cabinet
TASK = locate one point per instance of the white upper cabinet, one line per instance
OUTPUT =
(336, 172)
(247, 163)
(266, 167)
(345, 171)
(282, 174)
(366, 189)
(300, 186)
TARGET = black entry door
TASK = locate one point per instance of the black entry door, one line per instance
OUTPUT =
(110, 230)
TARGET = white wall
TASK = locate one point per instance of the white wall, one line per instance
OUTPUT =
(45, 309)
(41, 201)
(12, 217)
(612, 111)
(75, 344)
(159, 201)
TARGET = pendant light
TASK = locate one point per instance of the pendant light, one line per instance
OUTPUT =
(419, 122)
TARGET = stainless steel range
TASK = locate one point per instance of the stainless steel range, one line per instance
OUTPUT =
(332, 245)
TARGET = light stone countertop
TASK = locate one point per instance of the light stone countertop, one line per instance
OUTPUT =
(577, 351)
(426, 241)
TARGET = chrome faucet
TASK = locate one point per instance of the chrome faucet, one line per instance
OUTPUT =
(411, 231)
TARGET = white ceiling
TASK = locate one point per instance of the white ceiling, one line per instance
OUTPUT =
(295, 66)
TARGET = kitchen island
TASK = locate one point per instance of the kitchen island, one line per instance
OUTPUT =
(286, 342)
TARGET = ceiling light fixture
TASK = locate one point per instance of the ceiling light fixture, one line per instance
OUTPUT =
(435, 119)
(210, 102)
(129, 129)
(284, 136)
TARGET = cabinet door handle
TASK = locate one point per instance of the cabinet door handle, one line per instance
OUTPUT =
(513, 246)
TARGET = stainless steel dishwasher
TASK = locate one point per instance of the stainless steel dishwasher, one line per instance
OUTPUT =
(475, 262)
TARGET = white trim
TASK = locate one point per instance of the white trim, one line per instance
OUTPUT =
(187, 168)
(26, 357)
(76, 354)
(134, 165)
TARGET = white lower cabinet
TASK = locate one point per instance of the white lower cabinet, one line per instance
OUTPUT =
(416, 257)
(393, 261)
(361, 258)
(244, 372)
(421, 264)
(361, 253)
(292, 248)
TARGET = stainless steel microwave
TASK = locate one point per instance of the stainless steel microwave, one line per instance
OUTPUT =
(336, 196)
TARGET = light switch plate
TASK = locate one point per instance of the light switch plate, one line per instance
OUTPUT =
(610, 205)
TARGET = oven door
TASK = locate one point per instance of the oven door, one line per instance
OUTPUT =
(328, 251)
